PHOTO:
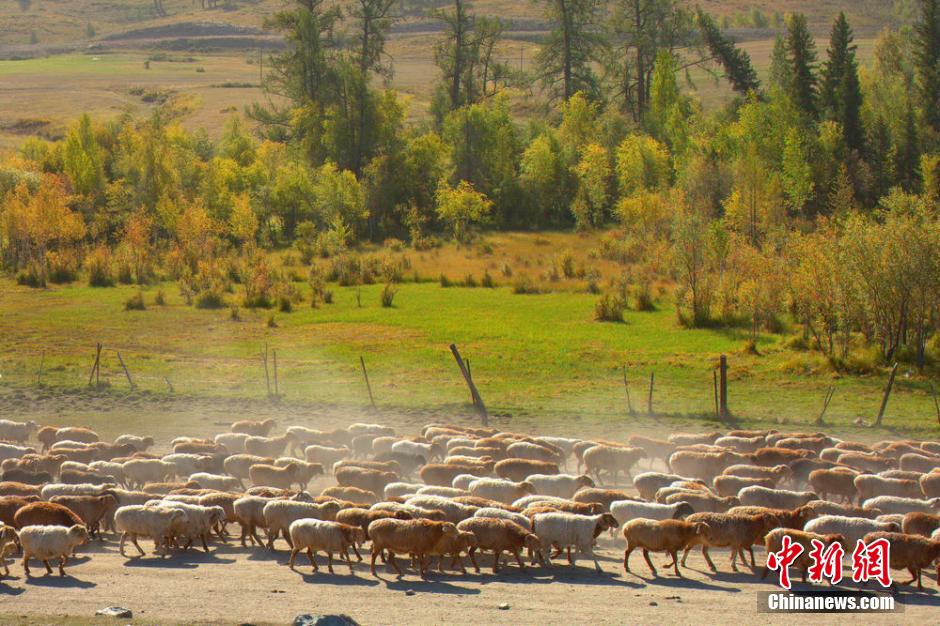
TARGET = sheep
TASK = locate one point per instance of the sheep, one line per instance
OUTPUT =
(274, 476)
(499, 535)
(773, 542)
(668, 535)
(704, 502)
(780, 518)
(141, 444)
(602, 497)
(447, 492)
(930, 485)
(367, 479)
(665, 492)
(46, 436)
(351, 494)
(534, 452)
(800, 469)
(527, 501)
(302, 436)
(249, 513)
(369, 429)
(278, 515)
(724, 530)
(417, 537)
(239, 465)
(453, 546)
(158, 523)
(114, 470)
(908, 552)
(254, 428)
(429, 451)
(611, 459)
(314, 535)
(11, 451)
(701, 465)
(408, 463)
(443, 474)
(870, 486)
(626, 510)
(518, 470)
(50, 542)
(399, 489)
(920, 524)
(267, 446)
(648, 483)
(504, 491)
(415, 512)
(9, 505)
(90, 509)
(866, 462)
(58, 489)
(9, 542)
(36, 463)
(139, 472)
(901, 474)
(45, 514)
(565, 530)
(564, 444)
(162, 489)
(477, 453)
(325, 455)
(17, 432)
(730, 485)
(919, 462)
(25, 477)
(518, 518)
(233, 442)
(362, 518)
(834, 482)
(852, 528)
(382, 466)
(815, 444)
(462, 481)
(82, 435)
(453, 511)
(225, 501)
(200, 520)
(775, 498)
(652, 448)
(741, 444)
(825, 507)
(894, 504)
(683, 439)
(215, 481)
(770, 456)
(560, 485)
(78, 477)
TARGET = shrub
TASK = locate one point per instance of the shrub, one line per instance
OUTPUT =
(160, 298)
(259, 285)
(234, 313)
(567, 264)
(284, 304)
(487, 281)
(507, 270)
(523, 285)
(609, 308)
(327, 296)
(272, 323)
(31, 277)
(643, 294)
(135, 302)
(62, 267)
(98, 264)
(593, 287)
(209, 299)
(446, 282)
(388, 295)
(470, 281)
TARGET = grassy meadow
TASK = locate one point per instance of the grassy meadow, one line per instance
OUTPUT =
(537, 357)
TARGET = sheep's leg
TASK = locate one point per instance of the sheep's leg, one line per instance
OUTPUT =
(349, 563)
(271, 537)
(914, 576)
(26, 562)
(626, 558)
(675, 562)
(48, 567)
(62, 561)
(473, 559)
(497, 555)
(558, 551)
(137, 545)
(708, 559)
(570, 560)
(255, 537)
(685, 554)
(205, 546)
(375, 553)
(293, 555)
(391, 559)
(764, 574)
(751, 550)
(356, 550)
(646, 555)
(329, 561)
(313, 560)
(519, 559)
(121, 544)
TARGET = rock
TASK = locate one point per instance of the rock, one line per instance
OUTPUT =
(654, 603)
(410, 592)
(324, 620)
(504, 606)
(115, 611)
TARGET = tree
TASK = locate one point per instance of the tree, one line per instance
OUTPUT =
(545, 180)
(83, 160)
(797, 172)
(840, 95)
(452, 53)
(801, 58)
(781, 75)
(566, 56)
(642, 165)
(927, 62)
(593, 174)
(735, 62)
(690, 264)
(460, 207)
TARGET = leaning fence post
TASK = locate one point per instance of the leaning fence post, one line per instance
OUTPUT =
(473, 388)
(829, 393)
(94, 368)
(264, 361)
(649, 399)
(277, 393)
(884, 399)
(626, 390)
(126, 372)
(715, 389)
(365, 374)
(42, 360)
(723, 411)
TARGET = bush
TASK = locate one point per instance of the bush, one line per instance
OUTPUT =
(160, 299)
(31, 277)
(98, 264)
(470, 281)
(209, 299)
(284, 304)
(523, 285)
(135, 302)
(234, 313)
(593, 287)
(272, 323)
(609, 308)
(487, 281)
(388, 295)
(446, 282)
(507, 270)
(62, 267)
(567, 264)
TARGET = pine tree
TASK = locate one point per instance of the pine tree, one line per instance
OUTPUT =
(840, 95)
(801, 57)
(736, 62)
(568, 52)
(908, 151)
(927, 62)
(780, 74)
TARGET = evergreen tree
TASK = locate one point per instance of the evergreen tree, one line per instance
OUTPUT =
(908, 151)
(565, 59)
(927, 62)
(801, 58)
(780, 74)
(735, 62)
(840, 95)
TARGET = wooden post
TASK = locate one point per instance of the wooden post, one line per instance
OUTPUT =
(264, 361)
(94, 368)
(365, 375)
(723, 411)
(470, 374)
(936, 402)
(884, 399)
(829, 393)
(168, 384)
(126, 372)
(626, 390)
(715, 389)
(478, 401)
(277, 392)
(649, 400)
(42, 360)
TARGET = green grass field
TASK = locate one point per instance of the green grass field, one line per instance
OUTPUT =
(538, 356)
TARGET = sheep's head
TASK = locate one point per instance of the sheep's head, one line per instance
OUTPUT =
(597, 508)
(532, 542)
(527, 487)
(585, 481)
(402, 515)
(891, 527)
(683, 510)
(606, 522)
(449, 529)
(701, 528)
(466, 540)
(78, 534)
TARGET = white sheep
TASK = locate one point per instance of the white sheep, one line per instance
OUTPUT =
(325, 455)
(313, 535)
(533, 451)
(184, 463)
(139, 472)
(518, 518)
(200, 520)
(141, 444)
(369, 429)
(567, 530)
(895, 504)
(278, 515)
(249, 513)
(559, 485)
(462, 481)
(398, 490)
(81, 489)
(565, 444)
(239, 465)
(158, 523)
(626, 510)
(446, 492)
(427, 450)
(114, 470)
(383, 444)
(454, 442)
(454, 511)
(775, 498)
(216, 481)
(527, 501)
(233, 442)
(11, 451)
(50, 542)
(741, 444)
(852, 528)
(17, 432)
(500, 490)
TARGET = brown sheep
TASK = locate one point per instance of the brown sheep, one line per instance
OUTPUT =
(774, 541)
(443, 475)
(366, 479)
(45, 514)
(162, 489)
(46, 436)
(611, 459)
(90, 509)
(580, 508)
(255, 428)
(500, 536)
(203, 446)
(685, 439)
(604, 497)
(361, 497)
(726, 486)
(866, 462)
(800, 469)
(930, 485)
(779, 518)
(834, 482)
(652, 448)
(920, 524)
(703, 502)
(485, 503)
(25, 476)
(9, 505)
(919, 462)
(738, 532)
(702, 465)
(273, 476)
(49, 463)
(79, 477)
(909, 552)
(382, 466)
(18, 489)
(873, 486)
(770, 456)
(453, 547)
(517, 470)
(668, 535)
(417, 536)
(364, 517)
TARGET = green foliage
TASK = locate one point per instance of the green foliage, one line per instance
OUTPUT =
(609, 308)
(801, 60)
(387, 296)
(461, 207)
(565, 58)
(135, 302)
(642, 165)
(735, 62)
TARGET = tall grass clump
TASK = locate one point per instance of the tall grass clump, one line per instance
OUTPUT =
(387, 296)
(609, 308)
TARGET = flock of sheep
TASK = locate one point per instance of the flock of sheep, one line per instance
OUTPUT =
(454, 491)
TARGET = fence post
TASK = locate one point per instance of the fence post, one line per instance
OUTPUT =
(649, 399)
(715, 389)
(264, 361)
(94, 368)
(884, 399)
(723, 411)
(473, 388)
(365, 375)
(277, 392)
(126, 372)
(626, 390)
(42, 361)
